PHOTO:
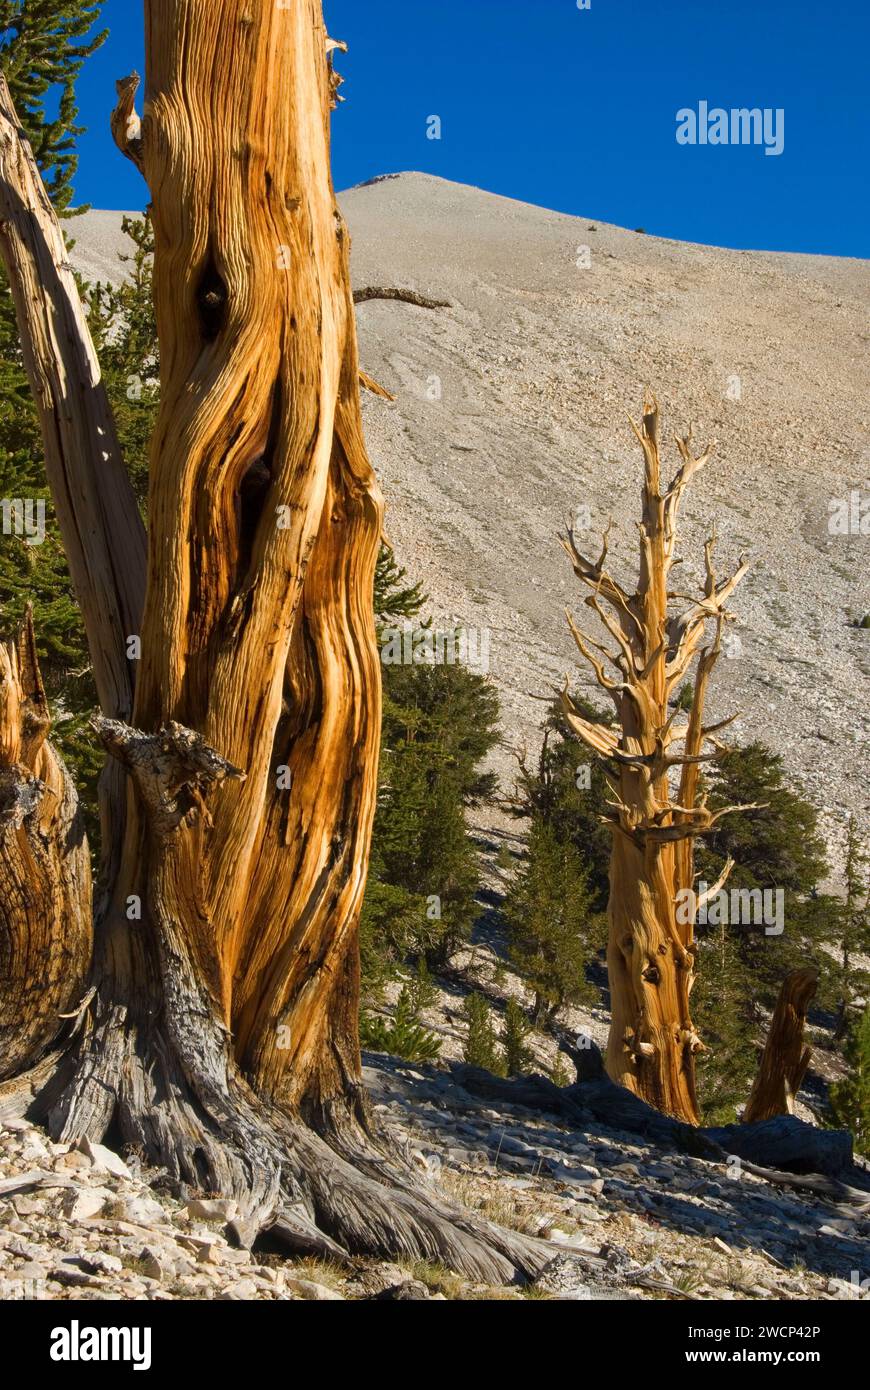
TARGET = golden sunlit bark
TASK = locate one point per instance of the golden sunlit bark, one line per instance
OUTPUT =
(220, 1036)
(651, 952)
(253, 740)
(45, 871)
(785, 1058)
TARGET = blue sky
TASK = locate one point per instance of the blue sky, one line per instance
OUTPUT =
(576, 109)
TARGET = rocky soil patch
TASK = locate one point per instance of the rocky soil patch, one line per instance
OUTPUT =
(627, 1218)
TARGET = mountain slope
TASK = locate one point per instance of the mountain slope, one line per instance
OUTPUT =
(510, 416)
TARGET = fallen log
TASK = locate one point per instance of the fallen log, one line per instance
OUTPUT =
(785, 1142)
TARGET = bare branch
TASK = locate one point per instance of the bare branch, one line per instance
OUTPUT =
(593, 574)
(369, 383)
(599, 646)
(616, 632)
(597, 736)
(422, 301)
(125, 123)
(706, 897)
(674, 494)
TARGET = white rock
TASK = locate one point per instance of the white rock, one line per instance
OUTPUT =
(105, 1160)
(213, 1209)
(93, 1261)
(81, 1203)
(34, 1149)
(307, 1288)
(141, 1211)
(155, 1264)
(69, 1162)
(243, 1290)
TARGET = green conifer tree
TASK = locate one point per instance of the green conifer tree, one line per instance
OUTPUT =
(424, 990)
(439, 723)
(43, 44)
(481, 1043)
(124, 330)
(724, 1003)
(396, 597)
(553, 931)
(517, 1054)
(740, 964)
(852, 928)
(850, 1098)
(776, 847)
(778, 844)
(405, 1035)
(560, 1074)
(567, 790)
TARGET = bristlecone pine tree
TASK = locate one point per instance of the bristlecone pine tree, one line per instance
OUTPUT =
(218, 1027)
(650, 953)
(786, 1057)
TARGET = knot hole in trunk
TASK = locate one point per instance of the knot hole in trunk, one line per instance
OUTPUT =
(211, 299)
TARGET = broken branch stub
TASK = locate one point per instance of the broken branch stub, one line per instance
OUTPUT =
(125, 123)
(174, 769)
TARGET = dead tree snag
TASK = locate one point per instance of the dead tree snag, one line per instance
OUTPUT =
(651, 953)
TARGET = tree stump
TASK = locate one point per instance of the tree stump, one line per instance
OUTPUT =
(785, 1059)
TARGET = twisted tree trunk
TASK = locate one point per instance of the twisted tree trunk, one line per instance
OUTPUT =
(45, 869)
(102, 532)
(650, 952)
(222, 1037)
(785, 1058)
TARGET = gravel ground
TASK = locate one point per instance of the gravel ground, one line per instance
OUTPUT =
(626, 1218)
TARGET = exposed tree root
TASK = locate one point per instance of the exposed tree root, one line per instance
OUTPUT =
(341, 1194)
(601, 1100)
(26, 1093)
(372, 1204)
(841, 1194)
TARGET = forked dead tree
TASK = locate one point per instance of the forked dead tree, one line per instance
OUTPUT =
(221, 1036)
(657, 811)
